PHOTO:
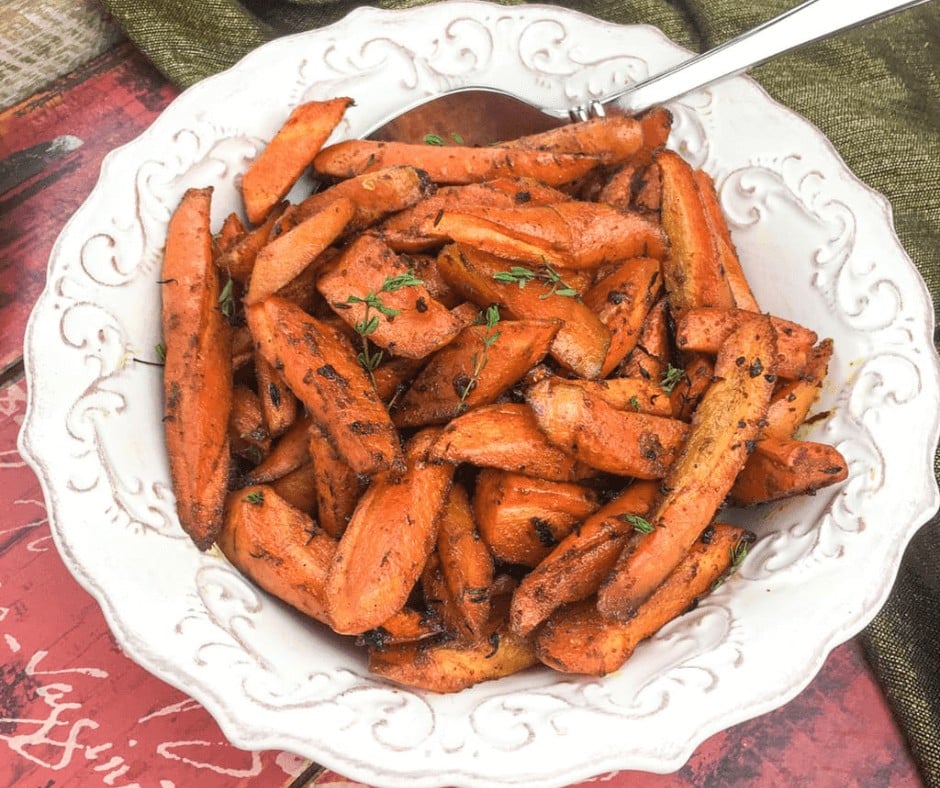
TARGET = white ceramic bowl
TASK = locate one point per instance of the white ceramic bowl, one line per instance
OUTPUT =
(818, 247)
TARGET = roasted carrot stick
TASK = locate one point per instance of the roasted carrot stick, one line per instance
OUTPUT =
(288, 454)
(238, 259)
(197, 376)
(321, 368)
(405, 626)
(278, 403)
(271, 175)
(792, 400)
(783, 467)
(298, 489)
(466, 562)
(452, 164)
(291, 253)
(389, 538)
(336, 486)
(612, 139)
(724, 245)
(724, 428)
(279, 547)
(693, 273)
(649, 358)
(580, 640)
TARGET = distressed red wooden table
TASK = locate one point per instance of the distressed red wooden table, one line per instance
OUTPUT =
(74, 710)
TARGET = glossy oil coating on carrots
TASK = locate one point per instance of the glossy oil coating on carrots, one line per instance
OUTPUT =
(480, 407)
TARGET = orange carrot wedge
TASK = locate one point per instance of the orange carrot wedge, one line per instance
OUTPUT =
(321, 369)
(197, 376)
(384, 548)
(292, 149)
(452, 164)
(279, 547)
(290, 254)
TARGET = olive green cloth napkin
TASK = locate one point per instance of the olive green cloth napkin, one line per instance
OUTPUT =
(874, 92)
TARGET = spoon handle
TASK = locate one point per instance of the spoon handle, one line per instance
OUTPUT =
(807, 22)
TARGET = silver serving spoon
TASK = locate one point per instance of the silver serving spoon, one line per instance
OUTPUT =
(495, 114)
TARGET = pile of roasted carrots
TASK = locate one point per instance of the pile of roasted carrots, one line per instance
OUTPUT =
(479, 406)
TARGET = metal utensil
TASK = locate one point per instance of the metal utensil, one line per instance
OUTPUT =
(494, 114)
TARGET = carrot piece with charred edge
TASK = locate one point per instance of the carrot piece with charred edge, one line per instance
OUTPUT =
(298, 488)
(727, 254)
(506, 436)
(649, 359)
(336, 485)
(248, 435)
(706, 329)
(288, 454)
(465, 561)
(279, 547)
(230, 233)
(197, 375)
(698, 374)
(409, 322)
(612, 139)
(272, 174)
(575, 568)
(302, 289)
(425, 268)
(415, 229)
(522, 518)
(656, 124)
(621, 300)
(474, 369)
(320, 367)
(290, 254)
(452, 164)
(783, 467)
(582, 341)
(374, 195)
(579, 639)
(622, 442)
(238, 260)
(451, 667)
(692, 272)
(388, 540)
(278, 403)
(793, 399)
(631, 394)
(724, 428)
(573, 234)
(405, 626)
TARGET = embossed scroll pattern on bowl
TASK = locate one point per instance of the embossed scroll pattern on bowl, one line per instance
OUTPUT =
(819, 249)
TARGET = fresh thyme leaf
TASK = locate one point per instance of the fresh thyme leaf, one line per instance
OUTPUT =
(671, 378)
(393, 283)
(634, 402)
(516, 275)
(227, 300)
(257, 497)
(479, 360)
(640, 524)
(160, 350)
(456, 138)
(492, 316)
(433, 139)
(738, 554)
